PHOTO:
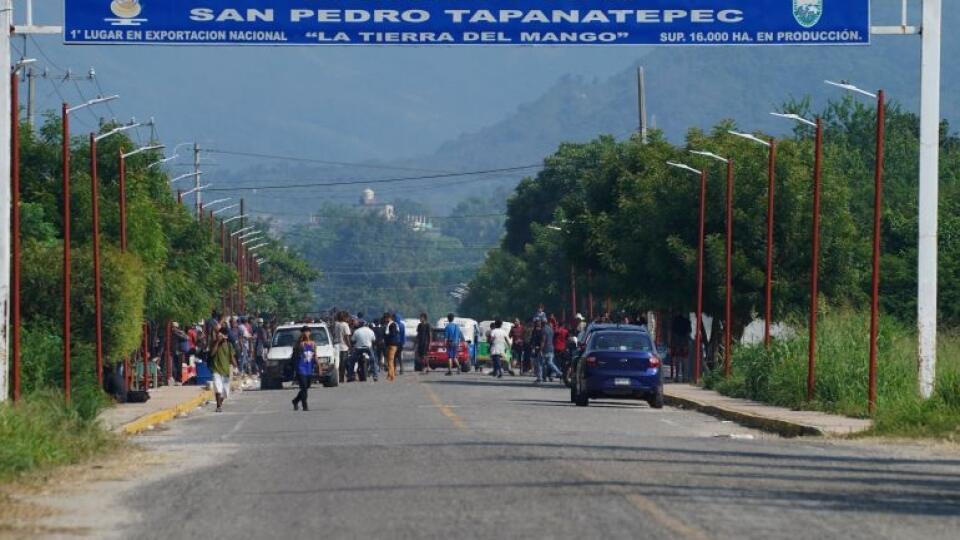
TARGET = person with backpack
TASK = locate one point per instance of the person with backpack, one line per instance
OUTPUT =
(305, 355)
(391, 338)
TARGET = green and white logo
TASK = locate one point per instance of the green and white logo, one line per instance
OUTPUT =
(807, 12)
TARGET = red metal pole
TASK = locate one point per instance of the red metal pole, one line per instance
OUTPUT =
(698, 336)
(97, 299)
(815, 262)
(590, 294)
(65, 151)
(168, 351)
(875, 280)
(728, 307)
(123, 202)
(573, 292)
(771, 177)
(240, 257)
(15, 236)
(146, 357)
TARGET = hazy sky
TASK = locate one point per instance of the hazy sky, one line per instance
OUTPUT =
(331, 102)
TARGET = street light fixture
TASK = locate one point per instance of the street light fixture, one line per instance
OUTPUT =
(771, 174)
(66, 110)
(187, 175)
(224, 209)
(249, 234)
(216, 202)
(815, 258)
(252, 239)
(877, 222)
(162, 161)
(700, 241)
(241, 231)
(234, 218)
(116, 130)
(258, 246)
(196, 189)
(728, 302)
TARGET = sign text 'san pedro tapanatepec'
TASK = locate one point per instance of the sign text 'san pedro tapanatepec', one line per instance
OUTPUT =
(460, 22)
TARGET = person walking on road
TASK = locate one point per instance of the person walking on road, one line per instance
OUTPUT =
(499, 343)
(517, 344)
(305, 356)
(391, 338)
(453, 337)
(422, 345)
(341, 340)
(549, 367)
(536, 350)
(224, 360)
(398, 318)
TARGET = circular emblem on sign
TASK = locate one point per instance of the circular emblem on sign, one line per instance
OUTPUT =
(807, 12)
(125, 9)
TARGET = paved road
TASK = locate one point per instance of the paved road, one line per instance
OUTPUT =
(472, 457)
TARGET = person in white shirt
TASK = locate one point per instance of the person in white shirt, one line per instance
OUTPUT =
(499, 342)
(363, 339)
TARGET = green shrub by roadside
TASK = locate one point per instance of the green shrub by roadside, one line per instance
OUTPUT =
(41, 432)
(779, 376)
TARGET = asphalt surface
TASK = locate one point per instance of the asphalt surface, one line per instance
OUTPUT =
(470, 456)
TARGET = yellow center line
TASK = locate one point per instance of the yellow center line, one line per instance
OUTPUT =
(646, 505)
(446, 410)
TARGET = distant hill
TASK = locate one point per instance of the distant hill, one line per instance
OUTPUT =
(687, 87)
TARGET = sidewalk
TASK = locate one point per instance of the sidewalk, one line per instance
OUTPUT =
(786, 422)
(165, 404)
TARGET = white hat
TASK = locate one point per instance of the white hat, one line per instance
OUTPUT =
(579, 316)
(176, 324)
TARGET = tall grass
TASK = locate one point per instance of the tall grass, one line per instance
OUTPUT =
(779, 376)
(42, 431)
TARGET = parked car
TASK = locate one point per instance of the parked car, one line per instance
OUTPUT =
(437, 356)
(584, 337)
(279, 366)
(618, 364)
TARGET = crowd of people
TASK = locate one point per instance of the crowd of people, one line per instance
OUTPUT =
(540, 347)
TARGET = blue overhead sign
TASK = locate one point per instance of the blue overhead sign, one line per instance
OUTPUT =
(462, 22)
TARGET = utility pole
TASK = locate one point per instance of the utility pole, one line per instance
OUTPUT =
(929, 194)
(31, 98)
(642, 104)
(196, 179)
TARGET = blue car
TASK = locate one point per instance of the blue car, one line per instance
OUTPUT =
(618, 364)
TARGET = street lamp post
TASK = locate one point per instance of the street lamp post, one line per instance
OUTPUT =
(728, 302)
(698, 336)
(815, 257)
(15, 229)
(95, 205)
(771, 177)
(877, 222)
(65, 112)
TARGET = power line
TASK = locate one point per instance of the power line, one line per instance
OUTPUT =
(377, 181)
(320, 161)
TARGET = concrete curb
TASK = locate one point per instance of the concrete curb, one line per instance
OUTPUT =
(147, 422)
(778, 426)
